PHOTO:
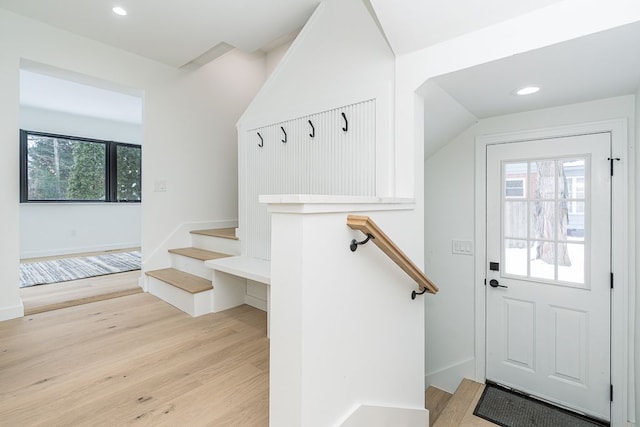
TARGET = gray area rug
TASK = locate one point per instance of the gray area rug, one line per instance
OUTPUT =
(65, 269)
(507, 408)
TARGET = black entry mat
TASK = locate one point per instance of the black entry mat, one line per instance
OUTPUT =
(510, 409)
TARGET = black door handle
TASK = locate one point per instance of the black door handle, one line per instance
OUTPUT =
(495, 284)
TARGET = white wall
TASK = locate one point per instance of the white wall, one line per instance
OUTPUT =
(48, 229)
(344, 329)
(189, 135)
(65, 228)
(511, 37)
(634, 331)
(413, 70)
(195, 152)
(10, 302)
(274, 56)
(41, 120)
(449, 316)
(333, 162)
(517, 35)
(451, 313)
(444, 117)
(339, 58)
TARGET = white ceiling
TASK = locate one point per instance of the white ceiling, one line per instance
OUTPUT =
(415, 24)
(596, 66)
(173, 32)
(177, 33)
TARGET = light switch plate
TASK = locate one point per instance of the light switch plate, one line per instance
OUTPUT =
(160, 186)
(462, 247)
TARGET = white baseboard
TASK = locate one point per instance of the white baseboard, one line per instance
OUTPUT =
(142, 282)
(12, 312)
(78, 250)
(255, 302)
(450, 377)
(256, 295)
(378, 416)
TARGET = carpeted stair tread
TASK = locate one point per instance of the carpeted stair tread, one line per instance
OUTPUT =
(225, 233)
(459, 404)
(185, 281)
(197, 253)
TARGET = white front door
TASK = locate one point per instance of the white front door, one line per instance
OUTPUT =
(549, 269)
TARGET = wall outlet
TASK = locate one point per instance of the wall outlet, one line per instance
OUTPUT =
(462, 247)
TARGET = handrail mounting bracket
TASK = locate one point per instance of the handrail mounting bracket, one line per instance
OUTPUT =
(414, 293)
(354, 244)
(366, 225)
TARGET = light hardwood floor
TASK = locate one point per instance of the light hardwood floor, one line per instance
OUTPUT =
(134, 360)
(38, 299)
(435, 400)
(41, 298)
(446, 410)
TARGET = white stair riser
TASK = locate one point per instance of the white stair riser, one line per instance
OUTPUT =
(216, 244)
(190, 265)
(192, 304)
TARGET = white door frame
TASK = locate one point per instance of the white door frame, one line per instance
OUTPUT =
(619, 249)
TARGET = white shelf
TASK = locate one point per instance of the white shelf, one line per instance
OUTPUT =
(314, 203)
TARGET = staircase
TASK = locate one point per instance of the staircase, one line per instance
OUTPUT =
(187, 283)
(447, 410)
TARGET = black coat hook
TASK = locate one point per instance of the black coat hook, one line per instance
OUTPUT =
(313, 130)
(346, 122)
(285, 135)
(261, 141)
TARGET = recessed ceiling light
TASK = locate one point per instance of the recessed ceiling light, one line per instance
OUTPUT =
(119, 11)
(527, 90)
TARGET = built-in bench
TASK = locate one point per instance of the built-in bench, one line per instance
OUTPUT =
(230, 276)
(243, 266)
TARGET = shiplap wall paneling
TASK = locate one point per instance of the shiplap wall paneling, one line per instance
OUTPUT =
(334, 162)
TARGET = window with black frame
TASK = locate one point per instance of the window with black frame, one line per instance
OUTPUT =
(59, 168)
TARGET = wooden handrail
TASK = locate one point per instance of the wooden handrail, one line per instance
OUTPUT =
(370, 228)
